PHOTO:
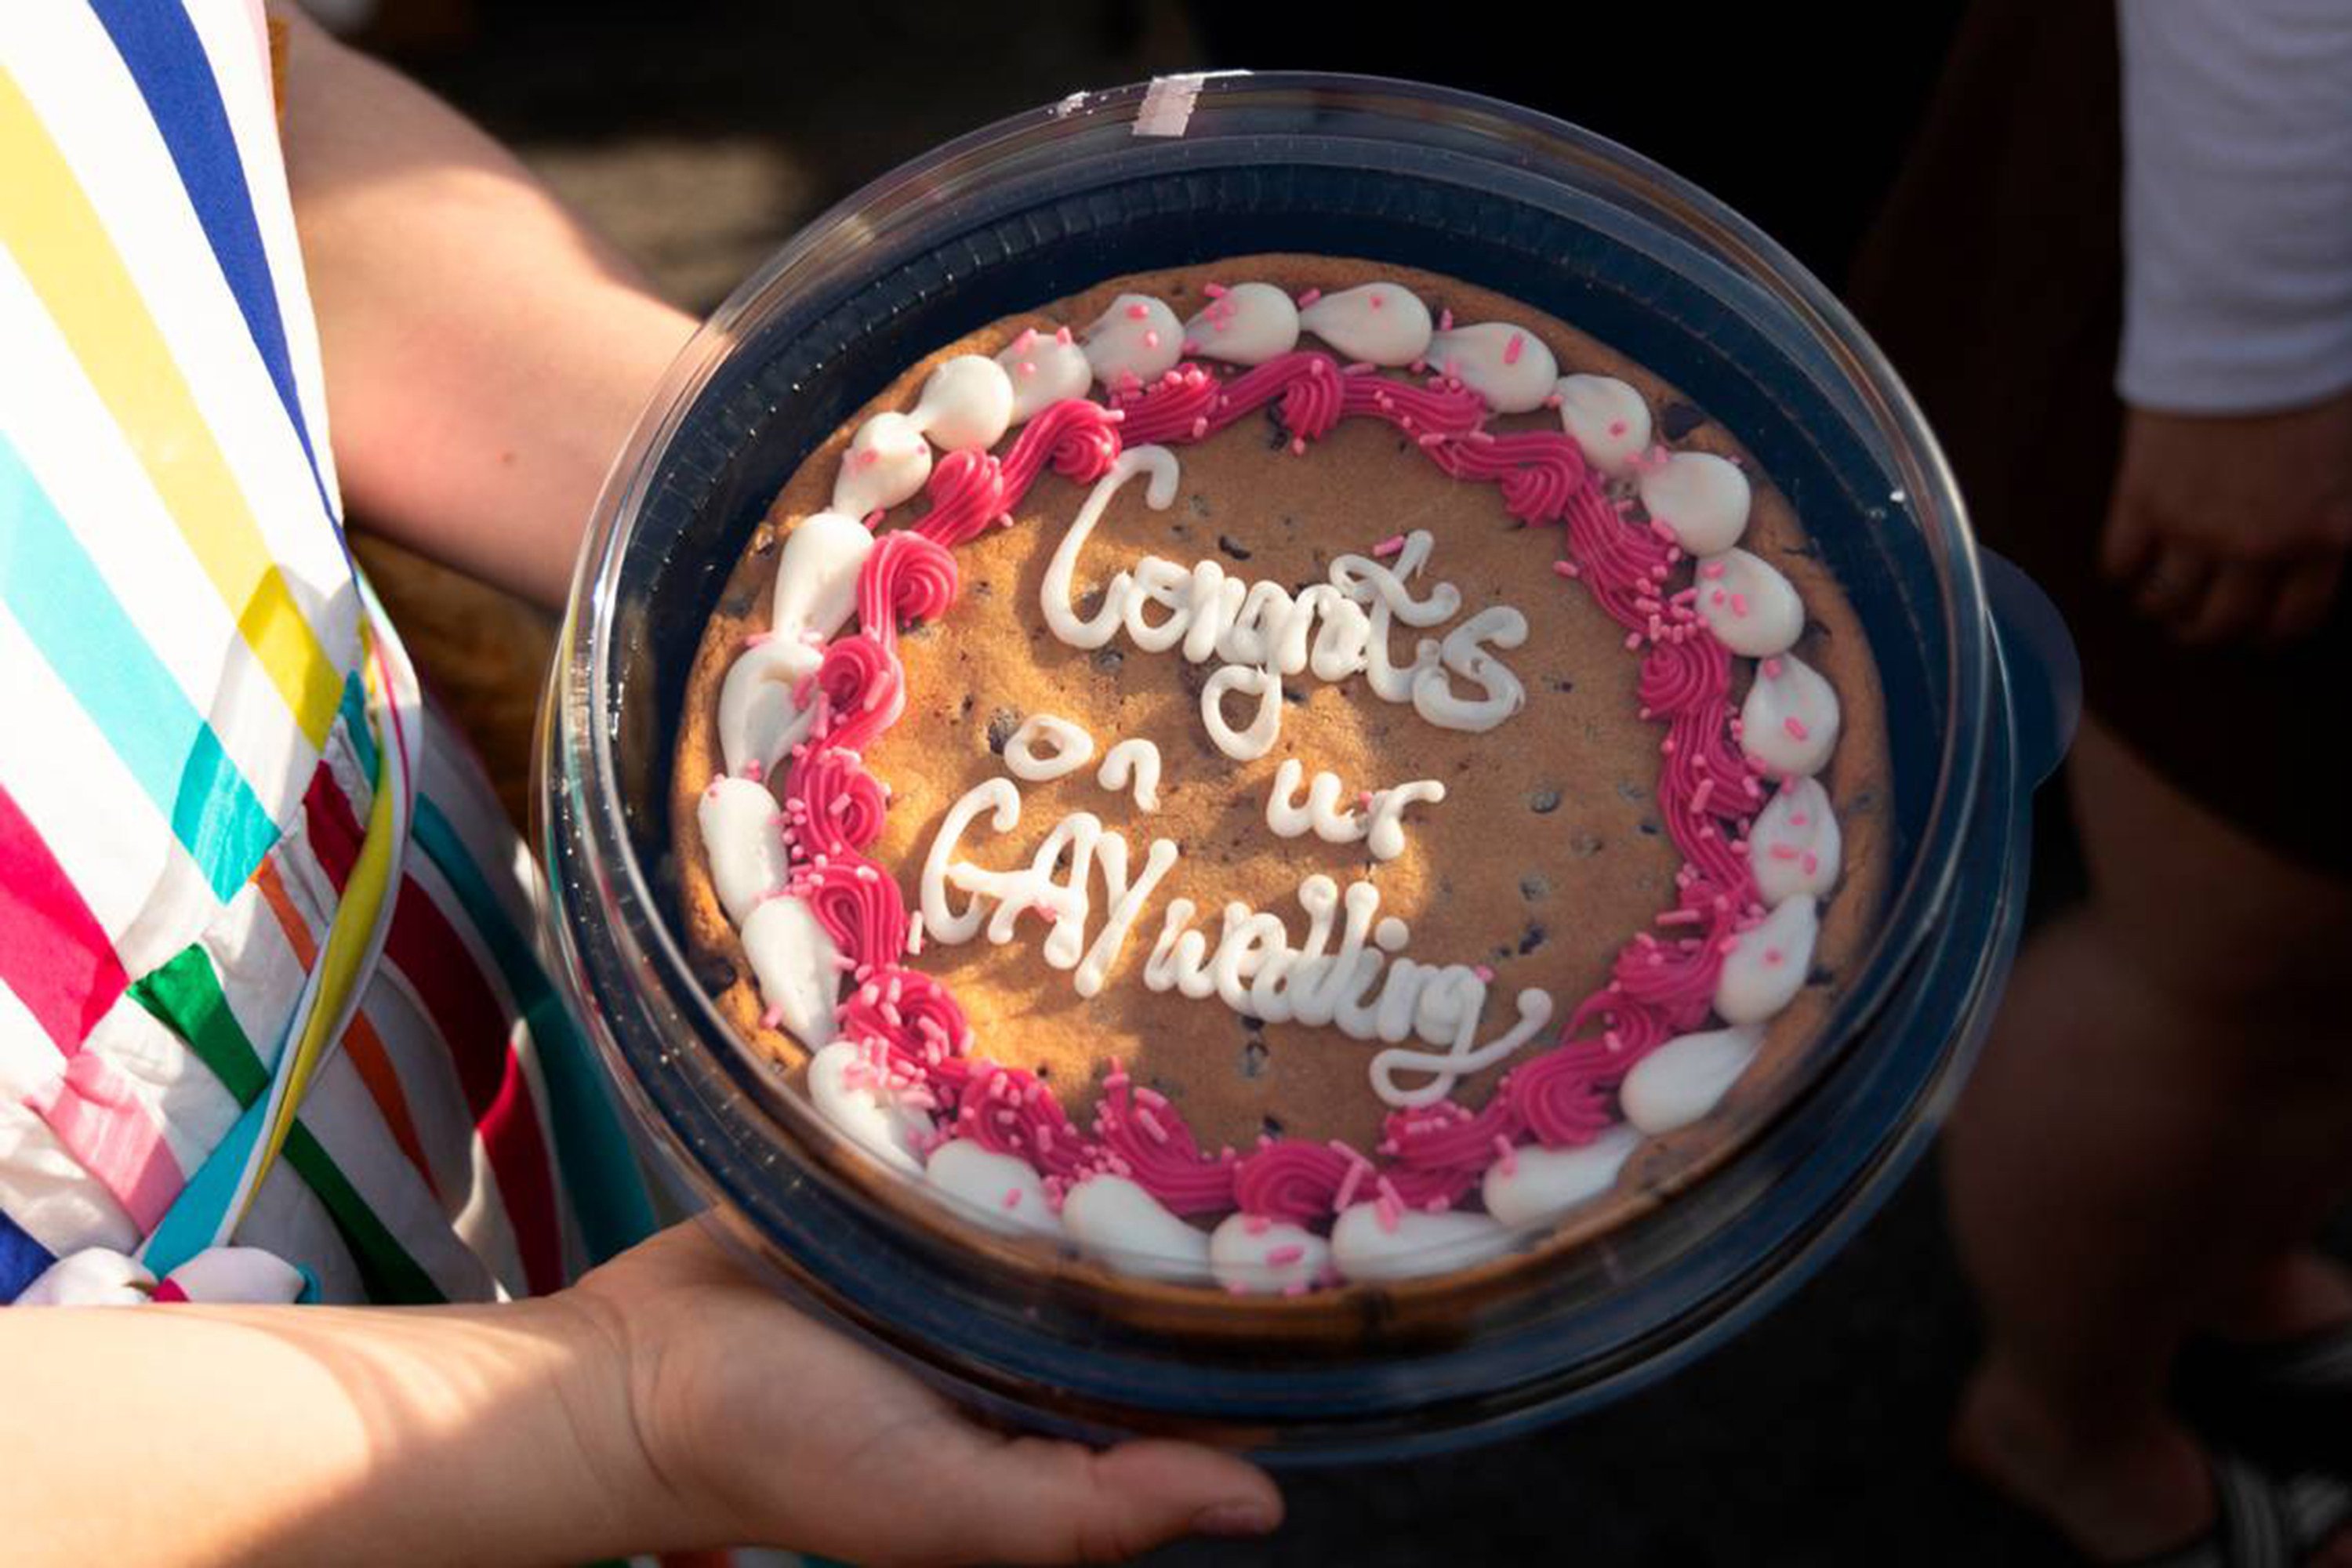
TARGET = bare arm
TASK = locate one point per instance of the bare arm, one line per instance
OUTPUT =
(486, 354)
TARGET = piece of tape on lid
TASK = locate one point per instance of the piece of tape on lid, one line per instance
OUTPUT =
(1167, 106)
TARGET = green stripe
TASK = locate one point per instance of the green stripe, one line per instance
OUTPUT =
(599, 1170)
(354, 709)
(184, 996)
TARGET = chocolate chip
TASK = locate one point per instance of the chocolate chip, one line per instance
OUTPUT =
(1628, 790)
(915, 631)
(1277, 434)
(963, 709)
(1290, 522)
(1090, 603)
(1531, 939)
(1191, 678)
(1270, 1125)
(1561, 683)
(1107, 659)
(1232, 547)
(1677, 420)
(714, 973)
(1584, 845)
(1533, 888)
(1647, 829)
(1251, 1026)
(1863, 803)
(1293, 694)
(1001, 726)
(1817, 975)
(1199, 503)
(1543, 802)
(983, 590)
(1253, 1059)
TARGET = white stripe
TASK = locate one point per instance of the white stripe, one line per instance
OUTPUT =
(44, 1189)
(259, 973)
(114, 844)
(182, 1096)
(239, 50)
(93, 111)
(78, 452)
(287, 1218)
(348, 1123)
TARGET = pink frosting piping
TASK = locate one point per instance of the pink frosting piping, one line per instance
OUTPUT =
(1660, 983)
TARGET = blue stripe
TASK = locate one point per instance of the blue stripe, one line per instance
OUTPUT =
(192, 1221)
(160, 47)
(355, 724)
(600, 1172)
(54, 591)
(22, 1259)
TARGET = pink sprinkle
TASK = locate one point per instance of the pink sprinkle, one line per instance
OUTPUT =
(1390, 1211)
(1772, 667)
(1739, 603)
(1617, 429)
(1483, 972)
(1284, 1257)
(1812, 863)
(1150, 339)
(1350, 1182)
(1028, 336)
(1013, 1197)
(758, 638)
(1795, 726)
(1309, 298)
(1712, 570)
(772, 1018)
(1796, 819)
(1446, 320)
(1506, 1156)
(1139, 312)
(1214, 290)
(1512, 350)
(1565, 569)
(1256, 1225)
(1061, 334)
(1364, 800)
(1028, 367)
(1377, 299)
(1785, 852)
(1392, 545)
(1772, 956)
(753, 769)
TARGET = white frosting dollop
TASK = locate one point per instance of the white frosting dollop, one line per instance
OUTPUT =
(1790, 721)
(1752, 609)
(1535, 1184)
(886, 463)
(796, 965)
(758, 719)
(1120, 1224)
(1687, 1077)
(1607, 419)
(1252, 1256)
(1701, 499)
(1768, 964)
(1380, 323)
(1249, 323)
(966, 406)
(890, 1132)
(1139, 339)
(816, 576)
(1137, 760)
(999, 1191)
(744, 842)
(1508, 366)
(1408, 1243)
(1044, 369)
(1795, 846)
(1073, 749)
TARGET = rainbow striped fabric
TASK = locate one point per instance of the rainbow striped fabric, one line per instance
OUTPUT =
(267, 973)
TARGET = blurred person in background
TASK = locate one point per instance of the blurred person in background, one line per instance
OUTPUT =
(271, 1030)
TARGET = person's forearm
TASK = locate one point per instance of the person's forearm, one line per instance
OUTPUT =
(486, 354)
(186, 1434)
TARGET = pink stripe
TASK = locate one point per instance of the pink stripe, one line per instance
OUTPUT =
(54, 954)
(168, 1291)
(92, 1109)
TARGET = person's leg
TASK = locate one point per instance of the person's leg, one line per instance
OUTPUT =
(2160, 1122)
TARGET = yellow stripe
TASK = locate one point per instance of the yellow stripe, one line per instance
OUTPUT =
(54, 235)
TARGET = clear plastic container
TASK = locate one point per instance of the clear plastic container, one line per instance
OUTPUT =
(1977, 671)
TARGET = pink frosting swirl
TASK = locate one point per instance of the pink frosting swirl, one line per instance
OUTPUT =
(1009, 1110)
(1446, 1136)
(1307, 383)
(1558, 1097)
(916, 1016)
(1439, 409)
(1150, 1143)
(1675, 978)
(1690, 675)
(864, 690)
(1623, 566)
(1539, 472)
(1078, 436)
(1176, 407)
(858, 906)
(833, 806)
(967, 492)
(908, 578)
(1292, 1179)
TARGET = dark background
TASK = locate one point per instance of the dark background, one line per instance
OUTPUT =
(700, 140)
